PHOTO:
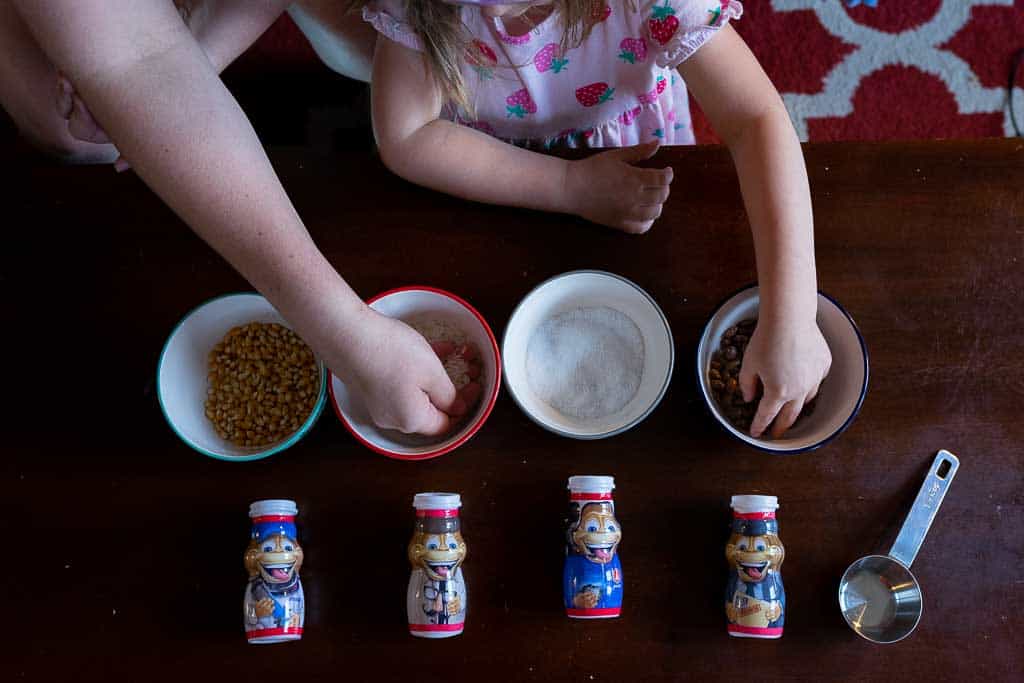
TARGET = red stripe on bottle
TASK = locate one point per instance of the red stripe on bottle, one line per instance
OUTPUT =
(436, 627)
(437, 513)
(273, 518)
(581, 495)
(755, 630)
(595, 612)
(753, 515)
(280, 631)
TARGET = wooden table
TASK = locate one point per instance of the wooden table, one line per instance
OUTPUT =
(123, 548)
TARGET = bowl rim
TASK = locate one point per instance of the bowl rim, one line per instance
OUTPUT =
(318, 408)
(661, 392)
(490, 402)
(781, 451)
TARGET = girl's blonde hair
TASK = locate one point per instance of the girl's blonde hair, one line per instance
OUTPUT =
(446, 41)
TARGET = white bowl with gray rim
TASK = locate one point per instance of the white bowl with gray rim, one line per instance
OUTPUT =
(585, 289)
(840, 396)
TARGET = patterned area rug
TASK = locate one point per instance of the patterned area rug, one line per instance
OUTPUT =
(889, 69)
(847, 69)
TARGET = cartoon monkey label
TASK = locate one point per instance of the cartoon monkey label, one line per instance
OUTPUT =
(436, 599)
(755, 601)
(592, 580)
(274, 607)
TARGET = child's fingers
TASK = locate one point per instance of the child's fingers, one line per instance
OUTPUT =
(748, 382)
(635, 227)
(636, 152)
(647, 212)
(654, 195)
(654, 177)
(786, 417)
(767, 409)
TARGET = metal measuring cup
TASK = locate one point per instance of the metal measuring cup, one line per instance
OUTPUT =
(878, 596)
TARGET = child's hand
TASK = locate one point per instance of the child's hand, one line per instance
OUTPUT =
(401, 380)
(790, 360)
(606, 189)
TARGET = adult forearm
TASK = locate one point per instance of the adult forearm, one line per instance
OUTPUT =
(161, 103)
(463, 162)
(773, 180)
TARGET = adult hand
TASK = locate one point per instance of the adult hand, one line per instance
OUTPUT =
(401, 380)
(790, 361)
(607, 189)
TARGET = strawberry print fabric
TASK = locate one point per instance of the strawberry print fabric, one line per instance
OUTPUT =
(618, 88)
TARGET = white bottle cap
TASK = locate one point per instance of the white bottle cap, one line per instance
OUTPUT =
(277, 506)
(590, 483)
(436, 501)
(749, 504)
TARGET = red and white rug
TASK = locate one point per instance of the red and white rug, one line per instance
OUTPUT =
(903, 69)
(880, 70)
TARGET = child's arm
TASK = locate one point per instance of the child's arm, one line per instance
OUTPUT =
(226, 28)
(787, 351)
(156, 94)
(452, 158)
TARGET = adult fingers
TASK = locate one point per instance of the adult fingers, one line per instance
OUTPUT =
(439, 388)
(120, 165)
(767, 409)
(786, 417)
(431, 421)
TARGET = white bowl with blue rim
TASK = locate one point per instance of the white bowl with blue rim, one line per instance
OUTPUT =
(586, 289)
(183, 375)
(840, 396)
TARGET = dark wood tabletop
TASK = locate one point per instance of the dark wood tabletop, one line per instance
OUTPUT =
(123, 547)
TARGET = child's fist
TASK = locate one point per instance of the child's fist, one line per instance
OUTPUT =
(606, 189)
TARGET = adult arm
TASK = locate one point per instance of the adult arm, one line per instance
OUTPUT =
(157, 95)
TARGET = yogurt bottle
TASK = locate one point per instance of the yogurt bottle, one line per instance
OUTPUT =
(592, 579)
(436, 598)
(274, 608)
(755, 601)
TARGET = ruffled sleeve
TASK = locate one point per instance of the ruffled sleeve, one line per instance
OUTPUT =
(388, 17)
(676, 29)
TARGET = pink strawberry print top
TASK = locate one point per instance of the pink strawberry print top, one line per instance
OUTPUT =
(618, 88)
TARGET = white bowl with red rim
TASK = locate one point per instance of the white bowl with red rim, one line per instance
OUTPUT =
(419, 303)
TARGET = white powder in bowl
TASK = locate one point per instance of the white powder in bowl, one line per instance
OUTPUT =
(586, 363)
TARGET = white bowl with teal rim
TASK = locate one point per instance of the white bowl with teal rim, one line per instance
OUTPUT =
(840, 396)
(182, 375)
(581, 289)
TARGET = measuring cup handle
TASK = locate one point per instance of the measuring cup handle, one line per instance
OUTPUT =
(933, 490)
